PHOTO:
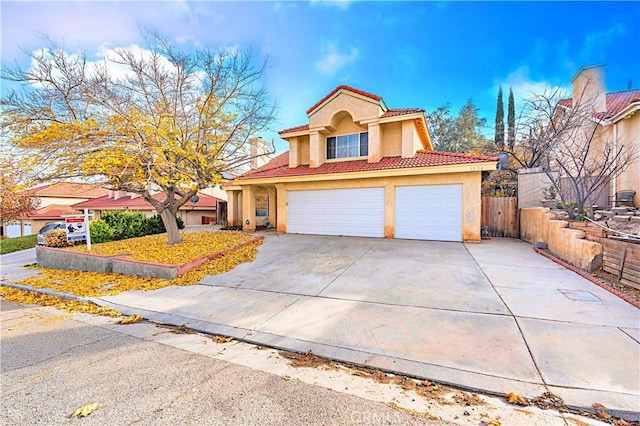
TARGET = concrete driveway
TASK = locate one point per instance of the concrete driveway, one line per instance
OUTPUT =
(494, 316)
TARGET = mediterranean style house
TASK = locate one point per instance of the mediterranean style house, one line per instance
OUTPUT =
(359, 168)
(618, 124)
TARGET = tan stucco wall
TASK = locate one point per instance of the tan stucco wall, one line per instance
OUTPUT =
(629, 135)
(471, 201)
(303, 148)
(343, 123)
(538, 224)
(65, 201)
(391, 139)
(358, 108)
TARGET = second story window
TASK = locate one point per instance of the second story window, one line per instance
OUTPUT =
(345, 146)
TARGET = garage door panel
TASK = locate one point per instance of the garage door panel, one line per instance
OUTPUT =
(352, 212)
(429, 212)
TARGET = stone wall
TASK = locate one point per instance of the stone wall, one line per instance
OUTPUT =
(539, 225)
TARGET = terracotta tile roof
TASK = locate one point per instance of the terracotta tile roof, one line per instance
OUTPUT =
(421, 159)
(401, 111)
(294, 129)
(138, 203)
(52, 211)
(68, 190)
(343, 87)
(616, 102)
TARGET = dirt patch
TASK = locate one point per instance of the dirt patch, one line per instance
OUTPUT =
(611, 280)
(308, 360)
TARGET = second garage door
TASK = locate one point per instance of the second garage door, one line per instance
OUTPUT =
(429, 212)
(350, 212)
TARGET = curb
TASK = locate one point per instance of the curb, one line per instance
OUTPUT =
(48, 292)
(633, 302)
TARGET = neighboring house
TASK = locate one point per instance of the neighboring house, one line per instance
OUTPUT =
(616, 115)
(53, 202)
(359, 168)
(201, 212)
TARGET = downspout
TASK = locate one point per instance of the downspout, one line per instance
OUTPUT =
(615, 163)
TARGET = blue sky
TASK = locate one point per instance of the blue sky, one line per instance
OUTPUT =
(413, 54)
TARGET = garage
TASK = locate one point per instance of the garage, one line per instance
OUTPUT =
(429, 212)
(350, 212)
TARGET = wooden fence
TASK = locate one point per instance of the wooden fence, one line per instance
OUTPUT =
(621, 259)
(500, 216)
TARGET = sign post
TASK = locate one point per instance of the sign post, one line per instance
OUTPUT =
(88, 228)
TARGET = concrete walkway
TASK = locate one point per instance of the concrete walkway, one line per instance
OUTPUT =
(494, 316)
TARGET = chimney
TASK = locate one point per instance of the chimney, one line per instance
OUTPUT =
(258, 149)
(589, 88)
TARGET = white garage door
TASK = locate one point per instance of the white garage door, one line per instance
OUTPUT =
(353, 212)
(429, 212)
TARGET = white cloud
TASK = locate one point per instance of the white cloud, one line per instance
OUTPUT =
(333, 60)
(525, 87)
(596, 43)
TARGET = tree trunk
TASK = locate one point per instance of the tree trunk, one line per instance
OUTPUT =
(169, 220)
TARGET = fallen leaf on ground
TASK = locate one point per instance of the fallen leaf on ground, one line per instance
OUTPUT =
(223, 339)
(516, 399)
(131, 319)
(85, 410)
(601, 411)
(493, 422)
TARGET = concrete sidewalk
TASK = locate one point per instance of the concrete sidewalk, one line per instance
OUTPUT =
(494, 316)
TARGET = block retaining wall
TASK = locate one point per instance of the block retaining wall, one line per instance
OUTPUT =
(539, 225)
(121, 264)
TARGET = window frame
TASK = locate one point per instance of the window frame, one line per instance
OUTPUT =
(336, 144)
(260, 210)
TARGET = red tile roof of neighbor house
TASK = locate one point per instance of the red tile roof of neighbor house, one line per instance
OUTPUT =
(138, 203)
(344, 87)
(616, 102)
(279, 166)
(68, 190)
(53, 211)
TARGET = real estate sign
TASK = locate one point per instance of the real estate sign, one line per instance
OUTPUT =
(76, 229)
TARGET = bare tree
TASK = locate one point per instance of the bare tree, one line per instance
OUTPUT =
(579, 155)
(143, 120)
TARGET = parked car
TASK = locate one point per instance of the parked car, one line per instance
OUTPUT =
(48, 228)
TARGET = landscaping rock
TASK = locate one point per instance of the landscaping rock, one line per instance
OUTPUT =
(608, 214)
(621, 218)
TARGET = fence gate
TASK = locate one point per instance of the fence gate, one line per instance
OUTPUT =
(500, 216)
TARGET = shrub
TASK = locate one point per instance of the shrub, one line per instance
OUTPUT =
(101, 232)
(154, 225)
(57, 238)
(180, 222)
(125, 224)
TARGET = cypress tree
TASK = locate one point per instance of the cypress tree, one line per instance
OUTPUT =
(499, 135)
(511, 122)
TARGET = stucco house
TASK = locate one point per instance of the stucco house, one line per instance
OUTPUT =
(618, 123)
(359, 168)
(53, 202)
(201, 212)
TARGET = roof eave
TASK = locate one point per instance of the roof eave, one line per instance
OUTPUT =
(488, 165)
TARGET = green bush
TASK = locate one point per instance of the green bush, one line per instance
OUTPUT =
(125, 224)
(117, 225)
(57, 238)
(154, 225)
(100, 231)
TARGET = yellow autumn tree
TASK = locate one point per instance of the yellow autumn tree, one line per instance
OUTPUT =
(142, 119)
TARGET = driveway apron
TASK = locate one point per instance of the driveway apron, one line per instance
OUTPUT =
(493, 316)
